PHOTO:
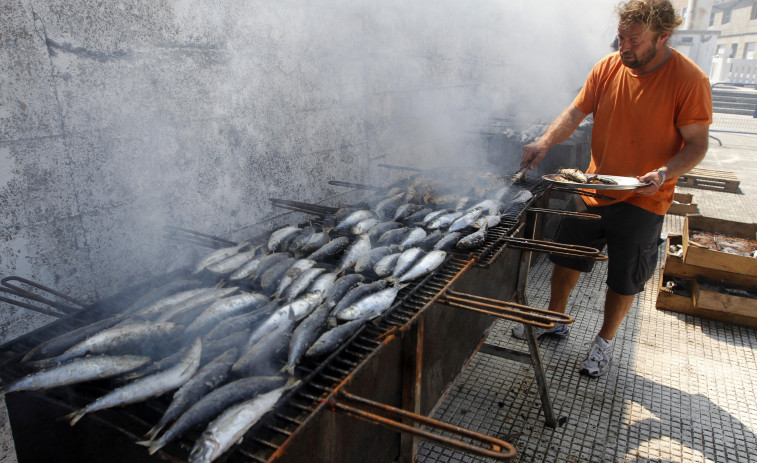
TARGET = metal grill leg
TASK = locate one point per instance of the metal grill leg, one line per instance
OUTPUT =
(541, 380)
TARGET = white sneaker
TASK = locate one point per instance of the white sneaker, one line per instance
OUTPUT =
(560, 331)
(598, 361)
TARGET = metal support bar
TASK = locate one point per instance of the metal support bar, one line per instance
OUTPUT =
(411, 387)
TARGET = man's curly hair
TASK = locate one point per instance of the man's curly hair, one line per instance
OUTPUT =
(657, 16)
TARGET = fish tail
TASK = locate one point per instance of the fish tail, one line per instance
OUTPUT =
(155, 447)
(74, 417)
(153, 432)
(288, 369)
(144, 443)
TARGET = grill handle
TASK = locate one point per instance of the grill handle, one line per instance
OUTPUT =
(388, 416)
(185, 235)
(550, 247)
(533, 316)
(62, 308)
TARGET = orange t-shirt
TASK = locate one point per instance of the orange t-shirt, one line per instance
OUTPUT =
(636, 121)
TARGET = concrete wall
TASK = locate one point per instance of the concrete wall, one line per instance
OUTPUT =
(118, 118)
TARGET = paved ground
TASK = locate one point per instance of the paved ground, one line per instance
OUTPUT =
(682, 388)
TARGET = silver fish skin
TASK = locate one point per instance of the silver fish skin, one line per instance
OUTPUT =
(232, 263)
(462, 203)
(213, 404)
(279, 237)
(385, 266)
(429, 241)
(293, 311)
(205, 380)
(370, 306)
(329, 249)
(301, 283)
(236, 323)
(366, 261)
(216, 256)
(406, 260)
(161, 292)
(321, 287)
(406, 210)
(232, 424)
(126, 338)
(416, 218)
(415, 235)
(294, 271)
(333, 338)
(448, 241)
(465, 220)
(259, 357)
(473, 240)
(305, 334)
(359, 247)
(195, 302)
(394, 236)
(424, 266)
(357, 293)
(147, 387)
(386, 208)
(341, 286)
(254, 269)
(302, 237)
(433, 215)
(489, 206)
(363, 226)
(314, 243)
(59, 344)
(382, 227)
(161, 305)
(269, 280)
(224, 308)
(354, 218)
(445, 220)
(78, 370)
(490, 220)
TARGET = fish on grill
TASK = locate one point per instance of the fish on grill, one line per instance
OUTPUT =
(128, 338)
(473, 240)
(406, 210)
(433, 215)
(363, 226)
(359, 247)
(394, 236)
(385, 266)
(232, 263)
(449, 241)
(316, 241)
(212, 404)
(302, 237)
(294, 271)
(256, 267)
(429, 241)
(232, 424)
(320, 288)
(205, 380)
(366, 261)
(465, 220)
(354, 218)
(239, 322)
(417, 217)
(425, 265)
(161, 292)
(270, 279)
(413, 236)
(216, 256)
(371, 306)
(330, 249)
(341, 286)
(445, 220)
(489, 220)
(280, 239)
(357, 293)
(333, 338)
(386, 208)
(260, 357)
(406, 260)
(78, 370)
(156, 308)
(380, 228)
(301, 283)
(59, 344)
(305, 335)
(147, 387)
(224, 308)
(196, 302)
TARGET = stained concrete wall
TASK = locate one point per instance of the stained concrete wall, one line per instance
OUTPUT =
(118, 118)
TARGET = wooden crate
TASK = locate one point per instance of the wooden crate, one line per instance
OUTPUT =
(710, 180)
(675, 266)
(683, 203)
(725, 307)
(703, 257)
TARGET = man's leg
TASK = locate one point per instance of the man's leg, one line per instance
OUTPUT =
(616, 309)
(564, 279)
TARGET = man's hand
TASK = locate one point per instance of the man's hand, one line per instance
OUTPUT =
(654, 179)
(533, 153)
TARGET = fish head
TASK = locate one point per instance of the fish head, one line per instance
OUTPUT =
(206, 450)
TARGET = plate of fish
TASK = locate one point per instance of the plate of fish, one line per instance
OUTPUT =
(574, 178)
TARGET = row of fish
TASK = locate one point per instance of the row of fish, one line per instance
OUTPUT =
(229, 338)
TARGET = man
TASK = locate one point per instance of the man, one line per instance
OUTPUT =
(652, 108)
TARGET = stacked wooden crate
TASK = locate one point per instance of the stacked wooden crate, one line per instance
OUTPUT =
(697, 268)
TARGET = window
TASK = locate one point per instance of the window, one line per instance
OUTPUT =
(720, 51)
(684, 10)
(712, 19)
(734, 47)
(753, 14)
(726, 17)
(749, 48)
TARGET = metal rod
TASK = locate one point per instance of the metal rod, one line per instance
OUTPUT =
(393, 166)
(576, 215)
(192, 234)
(359, 186)
(26, 305)
(368, 410)
(304, 207)
(20, 292)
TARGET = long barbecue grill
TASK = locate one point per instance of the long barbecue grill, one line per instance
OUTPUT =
(367, 401)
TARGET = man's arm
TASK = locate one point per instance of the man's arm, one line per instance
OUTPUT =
(695, 142)
(559, 130)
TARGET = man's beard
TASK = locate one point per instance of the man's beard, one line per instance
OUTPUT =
(636, 63)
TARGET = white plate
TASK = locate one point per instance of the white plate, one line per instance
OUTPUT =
(624, 183)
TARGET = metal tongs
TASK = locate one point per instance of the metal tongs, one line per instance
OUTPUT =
(520, 176)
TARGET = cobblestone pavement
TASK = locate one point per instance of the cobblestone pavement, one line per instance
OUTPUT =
(681, 388)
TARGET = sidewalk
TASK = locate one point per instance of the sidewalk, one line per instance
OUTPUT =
(681, 388)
